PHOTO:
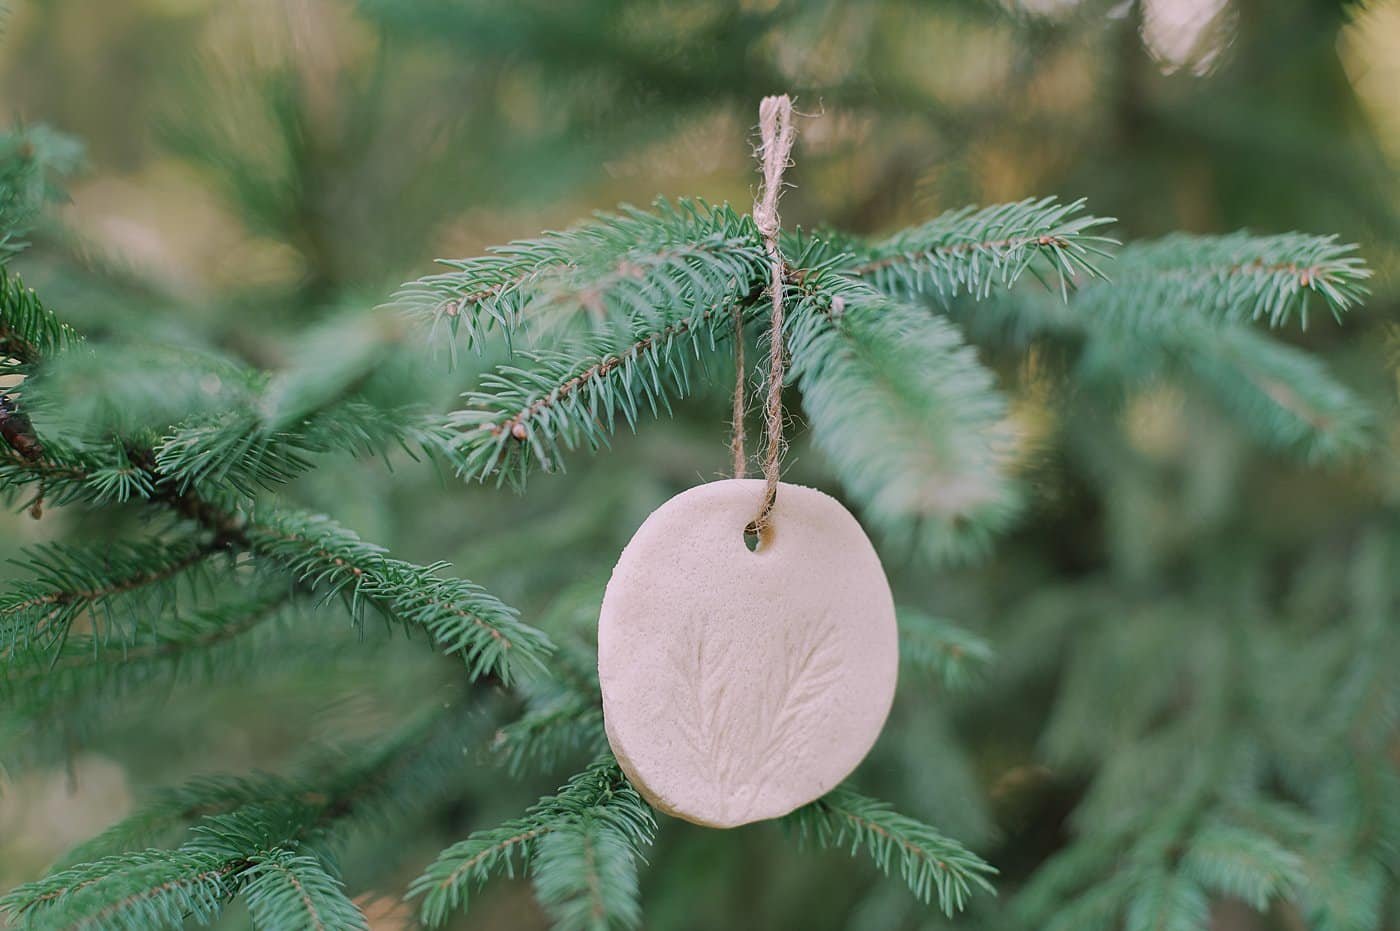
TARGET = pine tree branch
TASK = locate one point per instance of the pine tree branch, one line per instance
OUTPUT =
(169, 812)
(528, 416)
(237, 451)
(461, 617)
(32, 159)
(39, 684)
(910, 421)
(155, 889)
(550, 731)
(1167, 902)
(586, 880)
(27, 332)
(73, 581)
(1237, 277)
(60, 474)
(956, 656)
(288, 892)
(585, 875)
(928, 862)
(1174, 310)
(206, 422)
(1242, 864)
(631, 265)
(563, 715)
(1283, 396)
(92, 394)
(972, 251)
(244, 828)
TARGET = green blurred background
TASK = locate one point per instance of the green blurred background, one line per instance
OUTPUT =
(255, 167)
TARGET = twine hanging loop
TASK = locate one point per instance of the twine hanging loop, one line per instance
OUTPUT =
(776, 136)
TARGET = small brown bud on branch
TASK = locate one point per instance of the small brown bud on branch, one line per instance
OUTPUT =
(18, 431)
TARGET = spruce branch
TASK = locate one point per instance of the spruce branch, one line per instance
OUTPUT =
(910, 421)
(1283, 396)
(68, 474)
(585, 874)
(243, 831)
(560, 721)
(71, 582)
(1173, 310)
(167, 814)
(1098, 909)
(447, 884)
(148, 889)
(200, 421)
(32, 159)
(971, 251)
(461, 617)
(29, 331)
(563, 716)
(1167, 901)
(550, 732)
(1242, 863)
(1081, 866)
(1237, 276)
(527, 415)
(97, 394)
(87, 668)
(237, 451)
(929, 863)
(632, 265)
(290, 892)
(587, 879)
(958, 657)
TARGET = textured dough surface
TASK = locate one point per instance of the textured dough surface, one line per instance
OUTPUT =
(740, 685)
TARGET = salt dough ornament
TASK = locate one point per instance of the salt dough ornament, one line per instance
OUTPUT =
(739, 685)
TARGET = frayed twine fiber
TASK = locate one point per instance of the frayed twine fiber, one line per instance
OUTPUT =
(776, 136)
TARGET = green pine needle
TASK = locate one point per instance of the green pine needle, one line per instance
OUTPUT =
(586, 879)
(958, 657)
(28, 330)
(147, 890)
(634, 264)
(1165, 901)
(910, 421)
(1240, 276)
(461, 617)
(528, 414)
(1242, 864)
(114, 584)
(585, 874)
(929, 863)
(157, 654)
(972, 251)
(289, 892)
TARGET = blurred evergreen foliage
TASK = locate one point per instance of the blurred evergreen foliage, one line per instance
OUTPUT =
(1165, 697)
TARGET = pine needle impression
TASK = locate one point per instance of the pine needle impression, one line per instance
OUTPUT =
(739, 685)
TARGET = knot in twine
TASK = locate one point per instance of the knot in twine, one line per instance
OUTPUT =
(776, 135)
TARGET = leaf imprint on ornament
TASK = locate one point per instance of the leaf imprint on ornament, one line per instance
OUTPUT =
(746, 731)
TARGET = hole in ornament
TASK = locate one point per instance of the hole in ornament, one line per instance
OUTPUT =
(755, 540)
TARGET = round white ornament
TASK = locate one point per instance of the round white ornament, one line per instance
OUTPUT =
(739, 685)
